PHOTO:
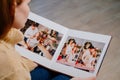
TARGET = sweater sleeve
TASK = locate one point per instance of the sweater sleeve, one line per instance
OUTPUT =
(11, 67)
(18, 75)
(30, 64)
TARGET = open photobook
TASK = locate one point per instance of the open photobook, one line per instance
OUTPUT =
(71, 52)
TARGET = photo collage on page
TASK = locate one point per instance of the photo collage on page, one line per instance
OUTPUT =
(80, 53)
(40, 39)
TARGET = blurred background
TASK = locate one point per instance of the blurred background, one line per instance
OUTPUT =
(97, 16)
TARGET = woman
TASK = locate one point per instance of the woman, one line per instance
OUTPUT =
(13, 15)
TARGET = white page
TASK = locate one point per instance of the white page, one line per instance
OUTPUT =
(98, 41)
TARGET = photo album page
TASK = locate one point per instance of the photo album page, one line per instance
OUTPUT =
(71, 52)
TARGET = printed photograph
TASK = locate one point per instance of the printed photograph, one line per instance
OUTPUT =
(40, 39)
(80, 53)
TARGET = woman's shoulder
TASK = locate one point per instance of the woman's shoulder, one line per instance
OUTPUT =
(3, 55)
(5, 51)
(10, 65)
(14, 36)
(6, 67)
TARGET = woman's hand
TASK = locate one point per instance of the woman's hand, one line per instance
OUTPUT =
(89, 78)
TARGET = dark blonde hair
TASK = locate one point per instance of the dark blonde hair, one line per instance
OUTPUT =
(7, 12)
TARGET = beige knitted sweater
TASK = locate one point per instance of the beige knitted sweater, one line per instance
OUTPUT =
(12, 65)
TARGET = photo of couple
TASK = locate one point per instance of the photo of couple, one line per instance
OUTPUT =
(80, 53)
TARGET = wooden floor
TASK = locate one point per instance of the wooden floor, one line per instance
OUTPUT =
(99, 16)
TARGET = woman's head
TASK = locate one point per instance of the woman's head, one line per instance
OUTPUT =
(13, 13)
(70, 41)
(88, 45)
(33, 26)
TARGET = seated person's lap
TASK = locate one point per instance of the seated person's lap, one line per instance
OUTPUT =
(41, 73)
